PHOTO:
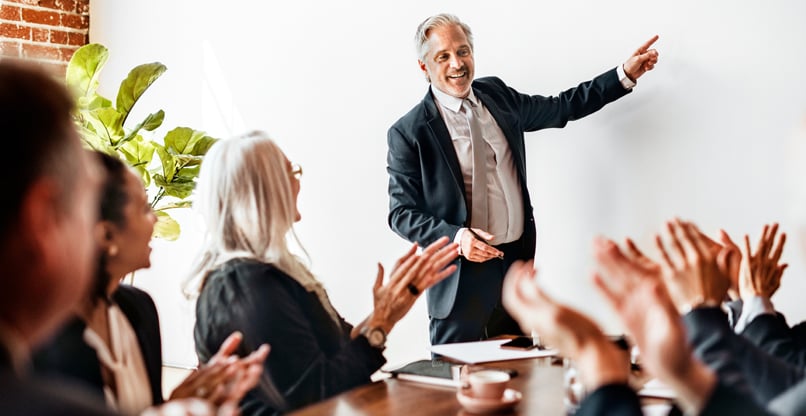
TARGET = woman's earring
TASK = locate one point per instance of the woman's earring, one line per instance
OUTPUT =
(113, 250)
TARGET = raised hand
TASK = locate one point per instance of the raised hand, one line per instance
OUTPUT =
(643, 304)
(760, 274)
(411, 276)
(572, 333)
(694, 277)
(642, 60)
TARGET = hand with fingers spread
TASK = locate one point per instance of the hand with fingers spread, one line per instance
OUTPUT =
(640, 299)
(642, 60)
(225, 378)
(760, 272)
(572, 333)
(692, 277)
(476, 245)
(412, 275)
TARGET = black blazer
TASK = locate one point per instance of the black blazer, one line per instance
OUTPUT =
(67, 355)
(738, 363)
(621, 400)
(773, 335)
(312, 357)
(426, 189)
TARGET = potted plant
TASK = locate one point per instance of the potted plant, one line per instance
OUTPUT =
(170, 177)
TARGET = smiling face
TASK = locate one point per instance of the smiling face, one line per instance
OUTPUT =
(449, 64)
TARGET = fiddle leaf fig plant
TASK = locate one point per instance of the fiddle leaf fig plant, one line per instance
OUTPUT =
(170, 177)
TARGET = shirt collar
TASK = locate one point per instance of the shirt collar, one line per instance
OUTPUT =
(452, 103)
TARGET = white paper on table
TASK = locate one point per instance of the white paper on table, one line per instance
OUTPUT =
(486, 351)
(656, 388)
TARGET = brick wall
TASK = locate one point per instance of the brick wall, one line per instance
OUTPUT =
(46, 31)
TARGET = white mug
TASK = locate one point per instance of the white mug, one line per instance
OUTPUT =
(488, 384)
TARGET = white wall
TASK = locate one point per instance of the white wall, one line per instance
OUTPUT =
(716, 134)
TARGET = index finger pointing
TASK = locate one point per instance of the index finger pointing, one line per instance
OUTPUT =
(646, 45)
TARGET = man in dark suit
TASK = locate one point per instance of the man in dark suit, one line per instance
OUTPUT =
(457, 168)
(46, 245)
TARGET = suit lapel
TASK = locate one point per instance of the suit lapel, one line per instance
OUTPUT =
(502, 118)
(439, 134)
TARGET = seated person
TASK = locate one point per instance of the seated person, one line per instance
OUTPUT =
(707, 325)
(113, 345)
(756, 318)
(250, 281)
(49, 187)
(638, 293)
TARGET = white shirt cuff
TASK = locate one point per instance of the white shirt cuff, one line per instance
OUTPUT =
(751, 309)
(626, 82)
(458, 239)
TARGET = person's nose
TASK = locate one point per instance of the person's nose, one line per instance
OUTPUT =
(455, 62)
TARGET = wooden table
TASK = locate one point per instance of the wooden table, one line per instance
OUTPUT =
(540, 382)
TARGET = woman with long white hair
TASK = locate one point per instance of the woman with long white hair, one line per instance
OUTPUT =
(248, 280)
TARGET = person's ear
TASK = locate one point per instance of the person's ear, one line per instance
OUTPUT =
(40, 219)
(106, 235)
(424, 69)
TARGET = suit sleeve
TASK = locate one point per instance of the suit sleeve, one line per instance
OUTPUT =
(735, 359)
(611, 399)
(408, 215)
(539, 112)
(772, 335)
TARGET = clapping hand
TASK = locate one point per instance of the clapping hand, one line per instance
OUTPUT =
(759, 273)
(572, 333)
(225, 378)
(411, 276)
(692, 277)
(637, 293)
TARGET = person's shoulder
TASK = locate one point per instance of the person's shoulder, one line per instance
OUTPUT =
(245, 274)
(489, 83)
(41, 396)
(416, 115)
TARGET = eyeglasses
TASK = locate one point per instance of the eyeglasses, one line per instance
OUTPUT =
(296, 171)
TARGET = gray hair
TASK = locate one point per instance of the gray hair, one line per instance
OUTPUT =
(433, 22)
(245, 197)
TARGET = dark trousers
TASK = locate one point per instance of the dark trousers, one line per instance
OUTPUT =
(477, 312)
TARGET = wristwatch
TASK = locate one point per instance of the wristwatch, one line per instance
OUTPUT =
(376, 336)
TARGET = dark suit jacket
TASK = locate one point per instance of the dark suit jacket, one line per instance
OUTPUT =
(426, 189)
(29, 395)
(621, 400)
(738, 363)
(312, 357)
(69, 356)
(773, 335)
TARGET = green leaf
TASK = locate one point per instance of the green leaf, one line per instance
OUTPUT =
(84, 68)
(186, 141)
(138, 81)
(93, 141)
(153, 120)
(168, 162)
(139, 152)
(180, 188)
(93, 102)
(179, 139)
(166, 227)
(106, 123)
(175, 205)
(203, 145)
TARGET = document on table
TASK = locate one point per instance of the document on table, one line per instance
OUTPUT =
(486, 351)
